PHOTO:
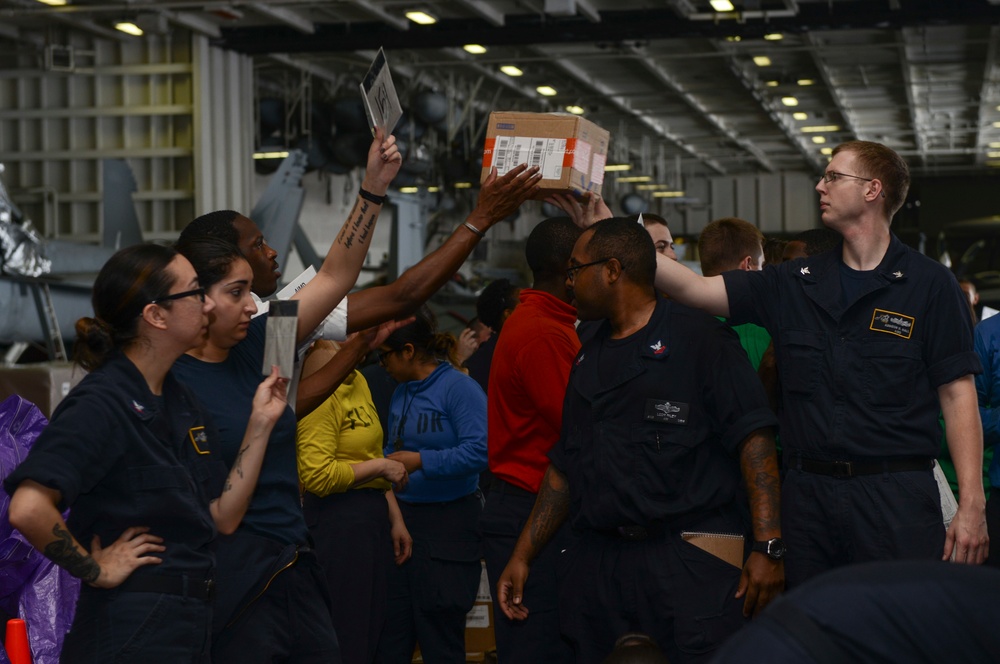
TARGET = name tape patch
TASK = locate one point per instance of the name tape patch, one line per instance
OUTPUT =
(673, 412)
(893, 323)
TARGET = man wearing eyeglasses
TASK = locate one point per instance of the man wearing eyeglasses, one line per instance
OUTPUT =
(872, 340)
(666, 443)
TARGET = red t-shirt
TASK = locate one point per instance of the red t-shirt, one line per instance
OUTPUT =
(528, 381)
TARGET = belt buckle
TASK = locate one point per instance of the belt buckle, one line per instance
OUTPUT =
(843, 469)
(633, 533)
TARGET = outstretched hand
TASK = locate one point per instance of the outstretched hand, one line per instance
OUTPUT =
(500, 196)
(271, 397)
(384, 161)
(377, 335)
(585, 212)
(128, 553)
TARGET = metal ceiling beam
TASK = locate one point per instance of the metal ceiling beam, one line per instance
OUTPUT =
(396, 22)
(668, 80)
(289, 17)
(912, 94)
(839, 98)
(989, 96)
(484, 11)
(192, 22)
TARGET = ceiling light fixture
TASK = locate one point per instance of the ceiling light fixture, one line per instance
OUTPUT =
(511, 70)
(463, 185)
(433, 190)
(819, 129)
(826, 151)
(995, 144)
(53, 3)
(611, 168)
(774, 36)
(799, 115)
(270, 155)
(722, 6)
(129, 28)
(475, 49)
(789, 101)
(819, 140)
(421, 18)
(635, 178)
(409, 190)
(997, 125)
(772, 84)
(734, 38)
(667, 194)
(805, 82)
(762, 61)
(546, 90)
(993, 155)
(575, 110)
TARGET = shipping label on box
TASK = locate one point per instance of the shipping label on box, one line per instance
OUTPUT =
(570, 152)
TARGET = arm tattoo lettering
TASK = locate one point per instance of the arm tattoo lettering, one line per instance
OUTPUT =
(759, 464)
(551, 509)
(63, 553)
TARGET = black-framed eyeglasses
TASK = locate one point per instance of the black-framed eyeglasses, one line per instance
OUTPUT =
(381, 355)
(199, 292)
(573, 270)
(831, 176)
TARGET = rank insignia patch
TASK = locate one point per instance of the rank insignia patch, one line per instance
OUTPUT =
(198, 439)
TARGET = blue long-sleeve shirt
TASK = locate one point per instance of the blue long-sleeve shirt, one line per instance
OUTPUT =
(444, 418)
(987, 345)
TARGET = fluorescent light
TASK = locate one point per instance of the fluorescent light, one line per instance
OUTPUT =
(129, 28)
(762, 61)
(826, 151)
(611, 168)
(546, 90)
(804, 82)
(53, 3)
(771, 84)
(799, 115)
(995, 144)
(270, 155)
(819, 140)
(734, 38)
(819, 129)
(722, 5)
(635, 178)
(421, 18)
(463, 185)
(433, 190)
(475, 49)
(511, 70)
(774, 36)
(993, 155)
(789, 101)
(575, 110)
(997, 125)
(409, 190)
(998, 108)
(993, 164)
(667, 194)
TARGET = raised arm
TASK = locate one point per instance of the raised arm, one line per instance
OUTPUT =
(693, 290)
(547, 516)
(34, 511)
(499, 197)
(269, 402)
(340, 269)
(762, 577)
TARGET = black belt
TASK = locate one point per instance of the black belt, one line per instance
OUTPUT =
(503, 487)
(845, 469)
(182, 585)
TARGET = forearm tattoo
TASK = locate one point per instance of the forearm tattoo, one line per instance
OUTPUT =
(238, 467)
(759, 464)
(352, 230)
(63, 553)
(551, 509)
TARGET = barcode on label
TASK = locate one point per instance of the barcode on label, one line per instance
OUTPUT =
(536, 153)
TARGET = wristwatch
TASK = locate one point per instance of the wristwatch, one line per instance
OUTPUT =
(773, 548)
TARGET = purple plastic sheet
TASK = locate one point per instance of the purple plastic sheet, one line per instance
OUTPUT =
(31, 586)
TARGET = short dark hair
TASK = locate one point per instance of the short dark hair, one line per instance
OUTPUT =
(211, 257)
(422, 334)
(497, 297)
(550, 245)
(628, 242)
(884, 164)
(218, 224)
(725, 242)
(132, 278)
(650, 219)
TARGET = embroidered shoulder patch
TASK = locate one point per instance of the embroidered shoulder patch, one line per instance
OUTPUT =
(893, 323)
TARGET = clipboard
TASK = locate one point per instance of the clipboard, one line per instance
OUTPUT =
(724, 546)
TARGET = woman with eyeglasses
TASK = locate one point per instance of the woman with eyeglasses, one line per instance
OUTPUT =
(131, 451)
(437, 430)
(272, 602)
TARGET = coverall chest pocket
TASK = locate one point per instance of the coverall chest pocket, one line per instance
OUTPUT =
(803, 357)
(657, 453)
(890, 369)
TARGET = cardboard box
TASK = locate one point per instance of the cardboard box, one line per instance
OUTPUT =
(44, 384)
(571, 151)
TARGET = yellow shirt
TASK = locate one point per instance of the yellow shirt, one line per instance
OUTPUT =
(343, 431)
